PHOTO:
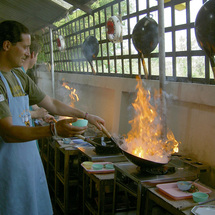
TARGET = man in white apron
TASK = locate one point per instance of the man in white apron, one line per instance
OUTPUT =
(23, 186)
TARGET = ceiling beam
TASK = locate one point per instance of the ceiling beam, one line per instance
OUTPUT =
(83, 7)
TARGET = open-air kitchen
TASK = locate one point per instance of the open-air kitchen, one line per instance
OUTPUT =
(147, 68)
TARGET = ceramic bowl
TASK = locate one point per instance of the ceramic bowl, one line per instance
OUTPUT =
(97, 166)
(87, 164)
(80, 123)
(66, 140)
(109, 166)
(200, 197)
(184, 185)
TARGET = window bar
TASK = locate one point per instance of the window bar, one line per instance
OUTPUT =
(173, 42)
(108, 56)
(129, 39)
(100, 36)
(189, 66)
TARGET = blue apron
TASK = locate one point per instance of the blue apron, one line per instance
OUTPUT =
(23, 186)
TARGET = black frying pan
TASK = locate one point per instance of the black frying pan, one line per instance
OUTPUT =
(145, 38)
(103, 145)
(205, 30)
(90, 50)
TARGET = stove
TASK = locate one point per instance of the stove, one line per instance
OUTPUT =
(135, 181)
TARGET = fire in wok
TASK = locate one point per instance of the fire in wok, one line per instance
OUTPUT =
(144, 141)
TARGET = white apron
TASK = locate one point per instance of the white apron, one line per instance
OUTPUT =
(23, 186)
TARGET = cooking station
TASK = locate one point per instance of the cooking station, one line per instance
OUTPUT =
(98, 186)
(136, 181)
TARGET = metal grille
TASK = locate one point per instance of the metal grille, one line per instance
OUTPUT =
(185, 61)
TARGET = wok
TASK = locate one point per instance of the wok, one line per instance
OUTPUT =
(110, 147)
(143, 163)
(145, 38)
(90, 50)
(205, 30)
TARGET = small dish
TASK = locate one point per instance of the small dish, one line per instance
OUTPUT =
(200, 197)
(97, 166)
(66, 140)
(109, 166)
(87, 164)
(184, 185)
(203, 210)
(80, 123)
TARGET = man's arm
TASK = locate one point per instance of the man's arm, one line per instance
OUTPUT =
(56, 107)
(13, 133)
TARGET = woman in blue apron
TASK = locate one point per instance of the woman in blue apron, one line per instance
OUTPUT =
(23, 187)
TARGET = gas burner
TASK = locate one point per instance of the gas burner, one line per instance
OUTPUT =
(161, 170)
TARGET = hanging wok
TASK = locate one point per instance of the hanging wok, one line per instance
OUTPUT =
(145, 38)
(205, 30)
(90, 50)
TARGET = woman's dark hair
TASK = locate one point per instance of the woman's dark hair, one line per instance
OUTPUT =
(12, 30)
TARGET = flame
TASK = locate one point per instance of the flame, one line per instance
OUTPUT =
(73, 94)
(145, 138)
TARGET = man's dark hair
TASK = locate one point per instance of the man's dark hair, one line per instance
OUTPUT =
(12, 30)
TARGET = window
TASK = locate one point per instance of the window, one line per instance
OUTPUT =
(185, 61)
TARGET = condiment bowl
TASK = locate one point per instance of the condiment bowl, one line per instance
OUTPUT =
(66, 140)
(184, 185)
(200, 197)
(97, 166)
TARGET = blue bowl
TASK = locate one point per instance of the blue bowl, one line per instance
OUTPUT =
(200, 197)
(66, 140)
(184, 185)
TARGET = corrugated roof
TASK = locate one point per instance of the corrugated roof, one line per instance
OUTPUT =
(35, 14)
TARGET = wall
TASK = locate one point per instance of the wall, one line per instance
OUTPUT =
(190, 108)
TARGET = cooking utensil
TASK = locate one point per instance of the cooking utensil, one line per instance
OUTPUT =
(134, 159)
(108, 146)
(145, 38)
(143, 163)
(185, 185)
(205, 30)
(90, 50)
(106, 132)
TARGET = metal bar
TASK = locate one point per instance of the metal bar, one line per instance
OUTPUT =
(52, 61)
(162, 66)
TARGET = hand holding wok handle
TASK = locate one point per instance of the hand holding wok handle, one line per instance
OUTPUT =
(144, 66)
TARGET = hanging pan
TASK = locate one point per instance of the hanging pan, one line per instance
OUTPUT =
(205, 30)
(90, 50)
(145, 38)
